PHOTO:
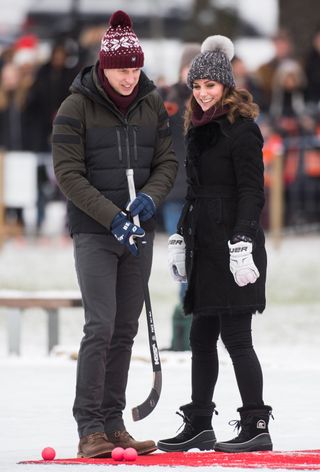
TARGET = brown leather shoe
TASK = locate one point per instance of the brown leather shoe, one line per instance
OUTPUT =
(95, 445)
(123, 439)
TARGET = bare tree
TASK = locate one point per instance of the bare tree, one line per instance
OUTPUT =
(208, 19)
(300, 18)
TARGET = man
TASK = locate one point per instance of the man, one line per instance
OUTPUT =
(113, 120)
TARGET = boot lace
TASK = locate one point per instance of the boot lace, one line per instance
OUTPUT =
(240, 426)
(186, 423)
(243, 425)
(236, 424)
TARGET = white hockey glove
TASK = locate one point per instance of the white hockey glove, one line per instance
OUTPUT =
(177, 258)
(242, 266)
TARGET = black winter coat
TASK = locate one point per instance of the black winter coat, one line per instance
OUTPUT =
(225, 198)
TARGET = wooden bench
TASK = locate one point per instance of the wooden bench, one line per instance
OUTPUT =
(50, 301)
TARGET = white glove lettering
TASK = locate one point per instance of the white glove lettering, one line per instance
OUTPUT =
(177, 258)
(242, 267)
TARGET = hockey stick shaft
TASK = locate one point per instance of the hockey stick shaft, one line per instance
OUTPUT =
(145, 408)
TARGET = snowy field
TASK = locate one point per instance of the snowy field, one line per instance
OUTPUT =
(37, 390)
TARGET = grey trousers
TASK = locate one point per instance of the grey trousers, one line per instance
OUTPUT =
(110, 281)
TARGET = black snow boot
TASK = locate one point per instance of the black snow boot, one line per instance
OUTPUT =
(254, 434)
(197, 432)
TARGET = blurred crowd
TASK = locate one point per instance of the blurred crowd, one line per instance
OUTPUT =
(35, 78)
(34, 81)
(287, 89)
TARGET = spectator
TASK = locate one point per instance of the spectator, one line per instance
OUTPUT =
(283, 49)
(287, 96)
(302, 174)
(245, 80)
(50, 88)
(312, 70)
(175, 98)
(17, 119)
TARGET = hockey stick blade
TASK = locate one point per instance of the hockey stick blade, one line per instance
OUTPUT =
(144, 409)
(141, 411)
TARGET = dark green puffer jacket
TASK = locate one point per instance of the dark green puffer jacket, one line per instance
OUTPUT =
(93, 145)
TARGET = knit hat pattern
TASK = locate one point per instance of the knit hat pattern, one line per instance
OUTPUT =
(213, 62)
(120, 47)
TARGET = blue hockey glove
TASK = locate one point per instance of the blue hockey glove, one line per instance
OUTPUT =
(125, 231)
(142, 205)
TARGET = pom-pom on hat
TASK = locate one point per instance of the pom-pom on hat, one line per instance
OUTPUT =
(213, 62)
(26, 50)
(120, 47)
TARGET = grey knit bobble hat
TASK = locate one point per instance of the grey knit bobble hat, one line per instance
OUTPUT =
(213, 62)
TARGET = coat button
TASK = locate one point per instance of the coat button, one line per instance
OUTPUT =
(190, 207)
(190, 231)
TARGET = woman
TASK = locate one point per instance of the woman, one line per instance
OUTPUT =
(220, 250)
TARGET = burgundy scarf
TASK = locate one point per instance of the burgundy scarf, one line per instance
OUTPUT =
(122, 102)
(200, 117)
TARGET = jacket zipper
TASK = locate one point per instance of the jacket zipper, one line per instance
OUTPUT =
(135, 149)
(119, 144)
(126, 130)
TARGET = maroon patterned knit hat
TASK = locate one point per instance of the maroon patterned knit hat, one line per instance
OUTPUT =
(120, 47)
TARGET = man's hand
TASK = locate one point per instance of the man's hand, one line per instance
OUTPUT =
(125, 231)
(177, 258)
(142, 205)
(242, 266)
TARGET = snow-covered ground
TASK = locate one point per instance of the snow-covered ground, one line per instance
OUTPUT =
(37, 390)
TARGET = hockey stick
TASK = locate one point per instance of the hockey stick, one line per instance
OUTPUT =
(144, 409)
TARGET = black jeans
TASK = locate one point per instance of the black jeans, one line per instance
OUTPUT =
(111, 287)
(235, 333)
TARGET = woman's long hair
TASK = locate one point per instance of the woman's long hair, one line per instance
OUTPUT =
(239, 102)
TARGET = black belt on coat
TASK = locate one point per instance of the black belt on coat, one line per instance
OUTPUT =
(196, 192)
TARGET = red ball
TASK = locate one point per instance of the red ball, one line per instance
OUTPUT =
(48, 454)
(117, 453)
(130, 454)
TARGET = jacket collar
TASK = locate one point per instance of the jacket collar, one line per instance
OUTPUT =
(222, 122)
(87, 83)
